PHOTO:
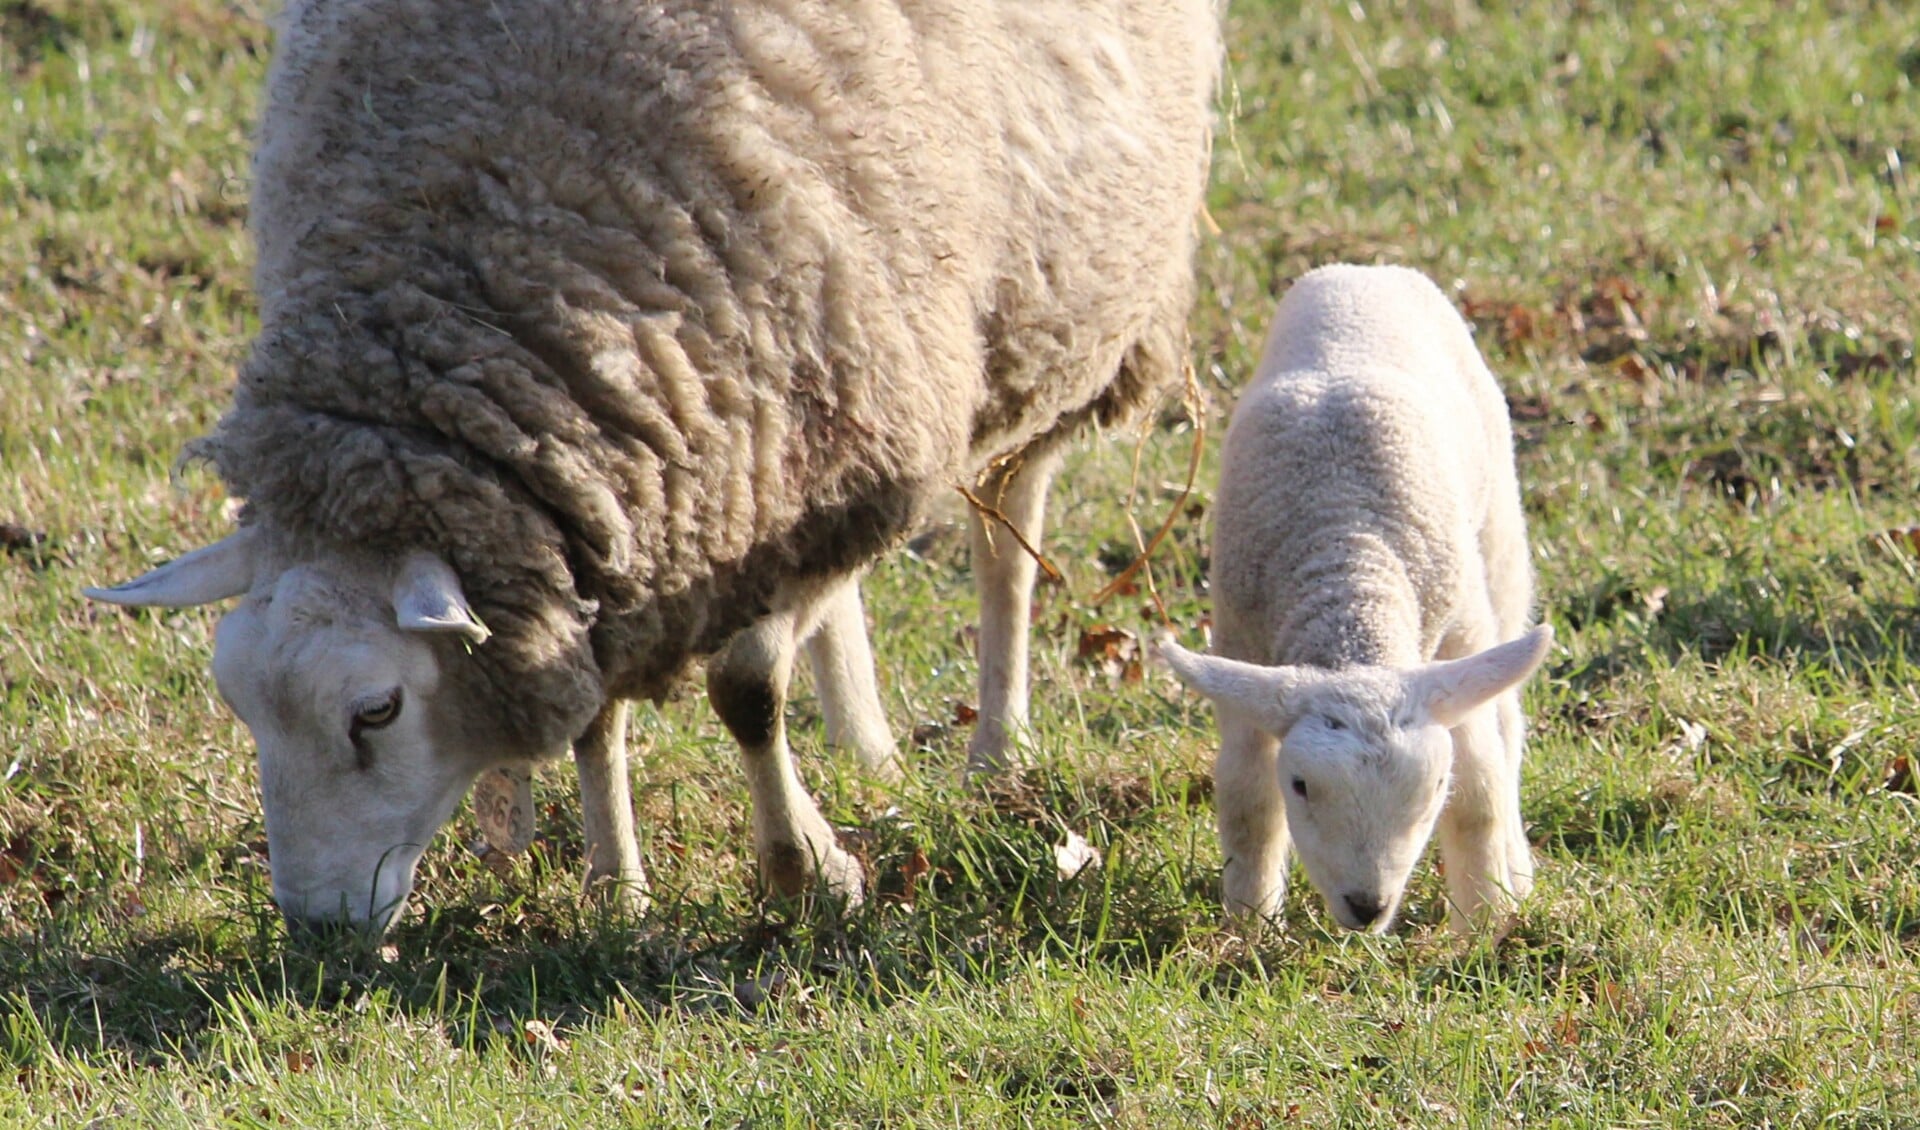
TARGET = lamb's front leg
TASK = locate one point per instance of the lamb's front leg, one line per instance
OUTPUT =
(606, 808)
(1513, 726)
(1253, 822)
(747, 684)
(1482, 838)
(1003, 573)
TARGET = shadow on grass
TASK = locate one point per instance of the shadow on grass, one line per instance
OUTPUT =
(1733, 623)
(967, 891)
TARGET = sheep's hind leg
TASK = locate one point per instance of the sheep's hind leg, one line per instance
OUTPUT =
(606, 809)
(747, 684)
(1253, 823)
(1480, 826)
(1003, 575)
(843, 677)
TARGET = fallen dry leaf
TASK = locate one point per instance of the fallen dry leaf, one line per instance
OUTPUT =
(540, 1036)
(1114, 652)
(1567, 1030)
(911, 872)
(1905, 538)
(1074, 855)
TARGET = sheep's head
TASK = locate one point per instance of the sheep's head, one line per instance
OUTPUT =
(345, 669)
(1365, 757)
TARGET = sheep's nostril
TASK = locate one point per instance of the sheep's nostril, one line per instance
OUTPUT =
(310, 929)
(1364, 908)
(317, 930)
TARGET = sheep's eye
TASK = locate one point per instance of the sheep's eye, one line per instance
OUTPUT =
(374, 713)
(1334, 723)
(1300, 787)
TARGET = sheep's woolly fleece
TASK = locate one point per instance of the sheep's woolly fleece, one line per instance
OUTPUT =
(1418, 534)
(635, 310)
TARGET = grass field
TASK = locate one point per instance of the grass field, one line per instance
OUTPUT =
(1689, 238)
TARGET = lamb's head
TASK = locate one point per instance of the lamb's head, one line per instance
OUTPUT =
(343, 668)
(1365, 757)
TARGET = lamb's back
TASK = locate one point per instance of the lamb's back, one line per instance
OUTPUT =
(1360, 466)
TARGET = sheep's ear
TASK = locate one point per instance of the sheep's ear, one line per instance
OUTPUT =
(1260, 693)
(1449, 691)
(210, 573)
(427, 597)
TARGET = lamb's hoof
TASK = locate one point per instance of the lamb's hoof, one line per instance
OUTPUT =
(1493, 916)
(1254, 923)
(799, 869)
(1521, 882)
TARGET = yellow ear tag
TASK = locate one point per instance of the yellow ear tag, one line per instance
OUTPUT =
(503, 807)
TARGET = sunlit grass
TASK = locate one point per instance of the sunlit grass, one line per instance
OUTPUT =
(1687, 235)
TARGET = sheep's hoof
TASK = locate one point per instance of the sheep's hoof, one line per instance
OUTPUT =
(994, 751)
(890, 770)
(795, 870)
(623, 892)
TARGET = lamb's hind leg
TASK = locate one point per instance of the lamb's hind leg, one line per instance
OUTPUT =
(747, 684)
(1003, 575)
(1481, 835)
(606, 808)
(842, 663)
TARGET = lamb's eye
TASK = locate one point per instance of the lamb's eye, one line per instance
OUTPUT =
(1334, 723)
(1300, 787)
(376, 712)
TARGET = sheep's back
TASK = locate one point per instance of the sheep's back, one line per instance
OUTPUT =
(710, 294)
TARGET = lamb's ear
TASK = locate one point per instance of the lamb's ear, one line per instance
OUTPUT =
(210, 573)
(1451, 690)
(427, 597)
(1260, 693)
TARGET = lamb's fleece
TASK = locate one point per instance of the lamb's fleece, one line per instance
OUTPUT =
(634, 310)
(1378, 484)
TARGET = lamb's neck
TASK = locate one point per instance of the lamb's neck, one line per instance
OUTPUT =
(1354, 606)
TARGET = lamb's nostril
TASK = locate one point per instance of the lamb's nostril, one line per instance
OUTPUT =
(1364, 908)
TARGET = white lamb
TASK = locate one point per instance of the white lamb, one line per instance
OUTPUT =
(1369, 558)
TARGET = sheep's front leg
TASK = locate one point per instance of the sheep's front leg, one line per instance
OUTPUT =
(747, 684)
(843, 677)
(1253, 822)
(606, 809)
(1003, 575)
(1482, 838)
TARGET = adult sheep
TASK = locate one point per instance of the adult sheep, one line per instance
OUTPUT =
(1372, 592)
(598, 336)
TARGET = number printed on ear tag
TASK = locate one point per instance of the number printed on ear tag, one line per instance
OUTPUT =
(503, 807)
